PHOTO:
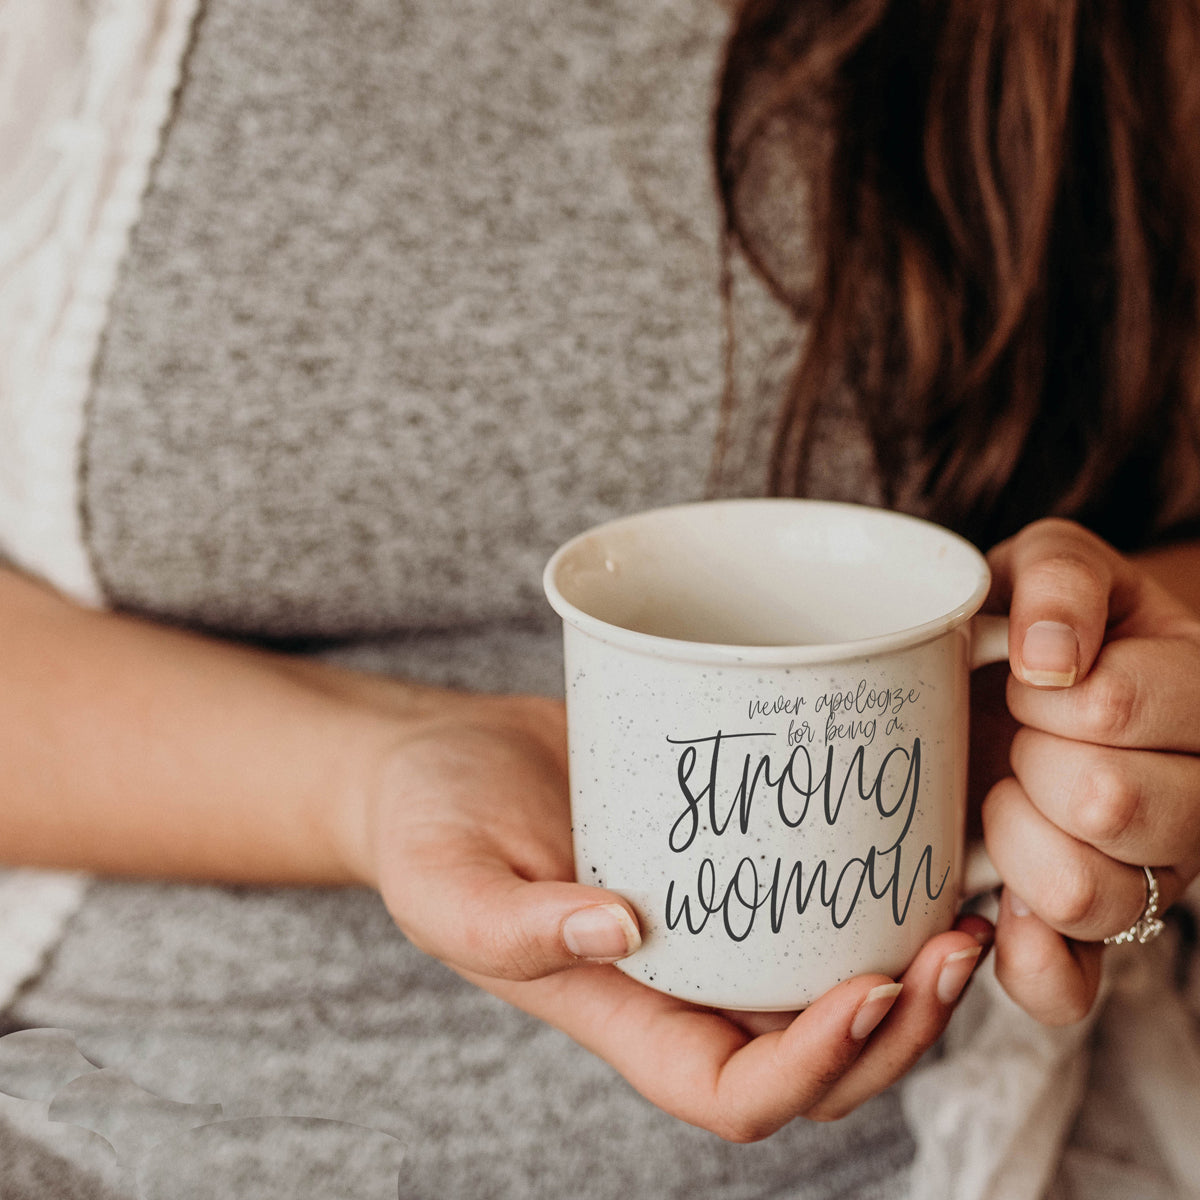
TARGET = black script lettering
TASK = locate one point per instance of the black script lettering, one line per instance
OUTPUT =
(706, 890)
(788, 705)
(837, 895)
(687, 824)
(863, 698)
(748, 902)
(797, 734)
(852, 730)
(911, 789)
(797, 778)
(745, 895)
(891, 884)
(803, 894)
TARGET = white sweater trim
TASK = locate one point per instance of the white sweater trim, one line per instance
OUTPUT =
(84, 98)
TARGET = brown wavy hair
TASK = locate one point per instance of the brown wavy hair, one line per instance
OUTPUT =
(1002, 200)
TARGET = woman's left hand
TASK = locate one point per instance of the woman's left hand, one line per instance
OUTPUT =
(1105, 767)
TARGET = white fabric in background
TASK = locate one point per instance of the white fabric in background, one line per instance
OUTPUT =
(34, 908)
(85, 86)
(1108, 1109)
(990, 1117)
(1138, 1136)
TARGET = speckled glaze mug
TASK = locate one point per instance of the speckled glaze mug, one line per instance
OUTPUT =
(767, 706)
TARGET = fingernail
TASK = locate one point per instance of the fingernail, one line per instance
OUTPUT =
(1017, 906)
(1049, 655)
(601, 933)
(876, 1005)
(956, 970)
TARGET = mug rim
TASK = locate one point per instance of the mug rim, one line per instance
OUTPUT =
(801, 654)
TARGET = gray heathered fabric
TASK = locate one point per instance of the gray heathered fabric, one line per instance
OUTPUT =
(307, 1004)
(33, 1171)
(420, 289)
(417, 294)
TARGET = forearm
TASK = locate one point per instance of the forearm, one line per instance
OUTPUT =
(130, 748)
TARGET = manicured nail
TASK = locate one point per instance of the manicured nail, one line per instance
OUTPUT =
(1017, 906)
(1049, 655)
(875, 1006)
(601, 933)
(956, 970)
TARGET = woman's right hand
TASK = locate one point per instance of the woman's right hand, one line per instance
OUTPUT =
(467, 836)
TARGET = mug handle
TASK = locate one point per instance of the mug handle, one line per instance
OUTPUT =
(989, 639)
(989, 644)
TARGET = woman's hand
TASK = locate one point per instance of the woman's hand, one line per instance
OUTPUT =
(136, 749)
(1105, 773)
(468, 840)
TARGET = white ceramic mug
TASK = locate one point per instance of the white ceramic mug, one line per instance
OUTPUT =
(767, 708)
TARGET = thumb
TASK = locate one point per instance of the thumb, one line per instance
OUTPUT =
(503, 926)
(1061, 583)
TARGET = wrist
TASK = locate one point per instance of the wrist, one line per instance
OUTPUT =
(346, 816)
(391, 753)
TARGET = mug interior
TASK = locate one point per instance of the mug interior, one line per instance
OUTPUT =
(768, 573)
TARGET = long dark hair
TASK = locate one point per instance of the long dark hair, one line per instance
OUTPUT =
(1003, 201)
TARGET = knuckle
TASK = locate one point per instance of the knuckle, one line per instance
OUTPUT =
(1071, 573)
(824, 1078)
(1106, 804)
(995, 804)
(1024, 743)
(1111, 705)
(507, 952)
(1035, 979)
(1067, 536)
(1053, 525)
(1022, 966)
(1073, 899)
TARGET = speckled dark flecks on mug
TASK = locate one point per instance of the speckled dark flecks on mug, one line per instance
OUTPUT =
(767, 703)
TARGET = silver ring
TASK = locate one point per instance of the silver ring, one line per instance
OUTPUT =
(1148, 926)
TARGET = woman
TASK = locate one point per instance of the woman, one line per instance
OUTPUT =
(412, 296)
